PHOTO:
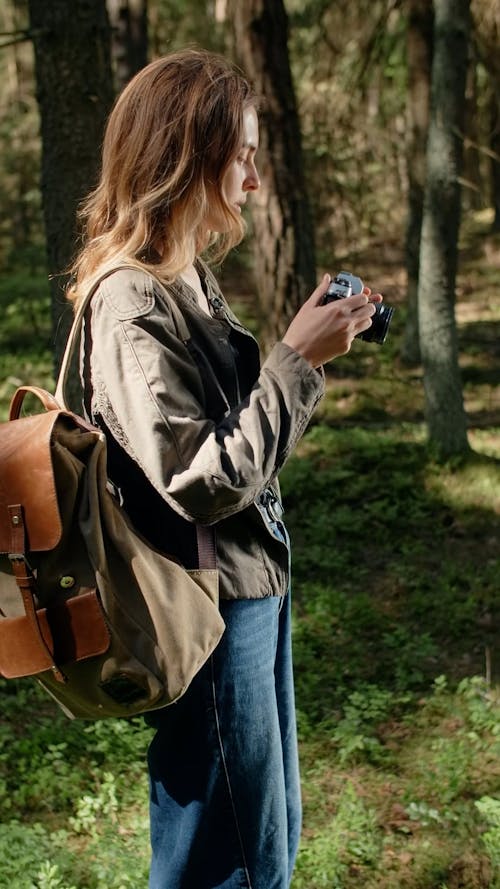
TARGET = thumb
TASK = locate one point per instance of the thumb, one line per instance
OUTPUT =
(318, 295)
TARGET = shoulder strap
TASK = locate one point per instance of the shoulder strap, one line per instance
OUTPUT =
(74, 335)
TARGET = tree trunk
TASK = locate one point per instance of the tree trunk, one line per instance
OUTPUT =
(129, 38)
(446, 419)
(486, 37)
(18, 147)
(284, 241)
(74, 92)
(419, 57)
(495, 158)
(471, 176)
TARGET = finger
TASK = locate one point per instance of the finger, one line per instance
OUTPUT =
(356, 301)
(361, 326)
(318, 295)
(373, 297)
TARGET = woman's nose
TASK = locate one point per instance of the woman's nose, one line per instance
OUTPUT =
(252, 181)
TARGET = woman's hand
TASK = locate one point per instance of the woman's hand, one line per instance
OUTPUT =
(322, 331)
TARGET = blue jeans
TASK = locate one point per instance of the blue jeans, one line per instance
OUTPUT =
(224, 780)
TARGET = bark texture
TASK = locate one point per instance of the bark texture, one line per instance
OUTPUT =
(446, 419)
(284, 241)
(129, 38)
(74, 92)
(486, 17)
(419, 52)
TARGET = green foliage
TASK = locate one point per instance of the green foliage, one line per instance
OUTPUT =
(88, 783)
(25, 307)
(178, 23)
(25, 334)
(32, 857)
(356, 732)
(386, 574)
(489, 809)
(351, 841)
(91, 807)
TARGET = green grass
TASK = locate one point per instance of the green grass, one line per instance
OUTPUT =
(399, 791)
(73, 797)
(396, 632)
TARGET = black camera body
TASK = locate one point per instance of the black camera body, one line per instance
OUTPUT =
(345, 284)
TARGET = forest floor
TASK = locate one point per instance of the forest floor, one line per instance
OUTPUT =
(396, 633)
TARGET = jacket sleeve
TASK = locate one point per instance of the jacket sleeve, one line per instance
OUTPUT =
(149, 391)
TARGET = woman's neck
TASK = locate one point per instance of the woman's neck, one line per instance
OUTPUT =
(191, 277)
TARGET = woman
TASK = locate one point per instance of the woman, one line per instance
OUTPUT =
(197, 432)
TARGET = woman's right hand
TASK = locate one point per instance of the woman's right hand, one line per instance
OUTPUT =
(322, 331)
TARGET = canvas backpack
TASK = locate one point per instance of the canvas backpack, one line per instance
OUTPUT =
(109, 625)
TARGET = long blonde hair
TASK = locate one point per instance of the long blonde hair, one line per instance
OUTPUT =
(169, 140)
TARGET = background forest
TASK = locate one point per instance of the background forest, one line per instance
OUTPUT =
(380, 153)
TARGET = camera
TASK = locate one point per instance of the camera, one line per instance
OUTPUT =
(343, 285)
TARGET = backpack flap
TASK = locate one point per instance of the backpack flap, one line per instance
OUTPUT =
(28, 483)
(50, 612)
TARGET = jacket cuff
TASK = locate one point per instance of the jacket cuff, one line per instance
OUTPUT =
(302, 386)
(288, 364)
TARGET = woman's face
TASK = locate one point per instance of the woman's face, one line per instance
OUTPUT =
(241, 176)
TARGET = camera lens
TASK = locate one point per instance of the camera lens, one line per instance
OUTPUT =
(380, 325)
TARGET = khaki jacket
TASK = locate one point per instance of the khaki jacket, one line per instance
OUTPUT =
(197, 431)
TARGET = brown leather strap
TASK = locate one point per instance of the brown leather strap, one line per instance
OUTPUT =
(17, 529)
(26, 582)
(48, 400)
(205, 541)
